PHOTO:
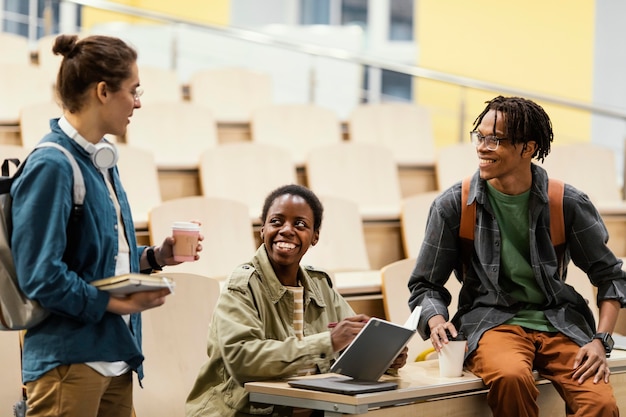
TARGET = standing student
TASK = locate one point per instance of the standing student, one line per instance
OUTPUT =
(272, 319)
(79, 361)
(518, 312)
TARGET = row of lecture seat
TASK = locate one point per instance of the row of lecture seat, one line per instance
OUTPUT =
(189, 128)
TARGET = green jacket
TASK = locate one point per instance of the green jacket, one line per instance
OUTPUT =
(251, 337)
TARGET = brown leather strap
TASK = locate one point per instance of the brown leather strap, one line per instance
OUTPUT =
(468, 213)
(556, 189)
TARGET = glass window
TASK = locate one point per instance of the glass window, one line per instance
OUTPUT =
(401, 20)
(396, 86)
(354, 12)
(16, 17)
(315, 12)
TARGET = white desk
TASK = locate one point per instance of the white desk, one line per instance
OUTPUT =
(422, 392)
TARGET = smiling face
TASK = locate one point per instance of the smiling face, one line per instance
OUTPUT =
(287, 233)
(508, 167)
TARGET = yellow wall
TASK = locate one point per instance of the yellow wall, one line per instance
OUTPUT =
(215, 12)
(536, 45)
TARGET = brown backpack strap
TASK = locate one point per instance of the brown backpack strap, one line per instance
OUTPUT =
(468, 223)
(468, 213)
(556, 189)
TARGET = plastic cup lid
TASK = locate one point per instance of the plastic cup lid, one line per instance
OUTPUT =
(188, 226)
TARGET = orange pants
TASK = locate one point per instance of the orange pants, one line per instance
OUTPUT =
(79, 391)
(505, 359)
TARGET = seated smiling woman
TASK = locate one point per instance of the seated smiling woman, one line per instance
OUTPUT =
(272, 319)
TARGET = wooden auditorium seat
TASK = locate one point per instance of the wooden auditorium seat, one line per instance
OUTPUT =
(35, 121)
(341, 249)
(395, 279)
(455, 162)
(46, 59)
(404, 127)
(245, 171)
(159, 85)
(11, 375)
(365, 173)
(21, 84)
(297, 127)
(413, 219)
(174, 345)
(177, 133)
(15, 49)
(225, 224)
(139, 175)
(13, 151)
(588, 167)
(231, 93)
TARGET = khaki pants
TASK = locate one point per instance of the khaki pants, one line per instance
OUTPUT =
(79, 391)
(505, 359)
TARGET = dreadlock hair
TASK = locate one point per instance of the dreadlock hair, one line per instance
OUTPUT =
(524, 121)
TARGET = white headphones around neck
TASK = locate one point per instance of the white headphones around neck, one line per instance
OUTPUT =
(103, 154)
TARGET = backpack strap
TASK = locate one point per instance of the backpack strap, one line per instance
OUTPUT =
(79, 183)
(556, 190)
(466, 228)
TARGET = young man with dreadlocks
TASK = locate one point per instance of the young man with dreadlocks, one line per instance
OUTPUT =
(515, 306)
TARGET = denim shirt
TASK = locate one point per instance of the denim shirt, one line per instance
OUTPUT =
(56, 261)
(483, 304)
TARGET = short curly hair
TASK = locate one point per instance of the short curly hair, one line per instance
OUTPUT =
(294, 189)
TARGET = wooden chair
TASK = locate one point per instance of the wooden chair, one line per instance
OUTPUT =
(245, 171)
(570, 163)
(21, 84)
(454, 163)
(298, 127)
(341, 249)
(228, 233)
(405, 128)
(159, 85)
(364, 173)
(46, 59)
(15, 49)
(176, 132)
(13, 151)
(413, 220)
(35, 121)
(139, 175)
(395, 278)
(231, 93)
(174, 345)
(11, 375)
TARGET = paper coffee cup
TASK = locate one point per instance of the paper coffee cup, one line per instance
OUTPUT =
(452, 356)
(186, 240)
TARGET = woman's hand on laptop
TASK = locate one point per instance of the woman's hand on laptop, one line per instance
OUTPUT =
(346, 330)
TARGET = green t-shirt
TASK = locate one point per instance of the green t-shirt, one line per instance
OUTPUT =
(516, 274)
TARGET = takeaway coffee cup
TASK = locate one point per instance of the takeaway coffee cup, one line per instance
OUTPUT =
(186, 236)
(452, 356)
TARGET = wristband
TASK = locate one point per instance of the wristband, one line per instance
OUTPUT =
(152, 259)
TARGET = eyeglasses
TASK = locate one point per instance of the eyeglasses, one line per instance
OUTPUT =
(491, 142)
(137, 93)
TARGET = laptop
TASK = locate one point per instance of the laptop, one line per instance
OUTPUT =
(364, 361)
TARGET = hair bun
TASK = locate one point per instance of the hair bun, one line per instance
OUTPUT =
(65, 45)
